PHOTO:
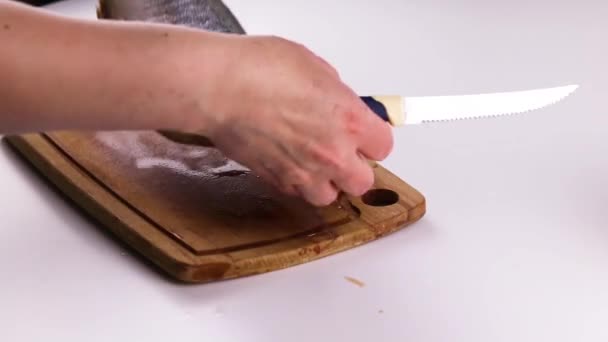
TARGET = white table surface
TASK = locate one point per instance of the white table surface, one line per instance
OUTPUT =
(514, 246)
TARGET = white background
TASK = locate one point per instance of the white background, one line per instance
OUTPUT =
(514, 246)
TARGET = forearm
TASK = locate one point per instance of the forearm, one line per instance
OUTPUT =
(60, 73)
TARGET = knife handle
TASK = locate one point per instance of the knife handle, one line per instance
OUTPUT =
(388, 108)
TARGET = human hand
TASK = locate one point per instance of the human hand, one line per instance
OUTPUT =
(283, 112)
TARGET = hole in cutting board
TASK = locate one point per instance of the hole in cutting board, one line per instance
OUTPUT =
(380, 197)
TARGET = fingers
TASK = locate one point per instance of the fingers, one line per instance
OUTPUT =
(290, 177)
(315, 187)
(319, 194)
(314, 134)
(354, 180)
(341, 169)
(357, 177)
(375, 136)
(275, 178)
(272, 179)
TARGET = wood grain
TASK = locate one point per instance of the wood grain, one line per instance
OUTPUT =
(201, 217)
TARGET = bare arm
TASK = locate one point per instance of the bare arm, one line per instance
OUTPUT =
(62, 73)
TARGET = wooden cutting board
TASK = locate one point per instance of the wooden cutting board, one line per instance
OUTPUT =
(201, 217)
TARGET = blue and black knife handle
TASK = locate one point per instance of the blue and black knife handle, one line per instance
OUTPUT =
(377, 107)
(388, 108)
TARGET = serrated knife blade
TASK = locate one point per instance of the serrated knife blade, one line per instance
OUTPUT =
(400, 110)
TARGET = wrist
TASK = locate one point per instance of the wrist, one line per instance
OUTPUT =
(199, 73)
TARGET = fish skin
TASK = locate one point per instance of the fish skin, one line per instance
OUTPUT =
(210, 15)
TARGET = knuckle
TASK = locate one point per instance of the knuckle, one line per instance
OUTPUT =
(319, 193)
(288, 189)
(352, 125)
(350, 116)
(295, 176)
(328, 158)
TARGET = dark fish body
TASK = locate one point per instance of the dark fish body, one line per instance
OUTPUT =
(211, 15)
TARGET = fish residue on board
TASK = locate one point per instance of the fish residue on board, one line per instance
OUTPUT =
(182, 159)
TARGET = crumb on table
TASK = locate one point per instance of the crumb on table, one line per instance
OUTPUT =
(355, 281)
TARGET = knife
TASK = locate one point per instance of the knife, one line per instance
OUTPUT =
(400, 110)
